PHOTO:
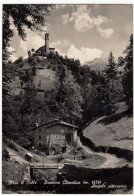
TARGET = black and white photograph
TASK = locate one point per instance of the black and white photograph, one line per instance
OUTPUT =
(67, 98)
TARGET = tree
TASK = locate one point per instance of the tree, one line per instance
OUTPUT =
(32, 17)
(69, 99)
(128, 73)
(111, 68)
(120, 61)
(29, 15)
(110, 72)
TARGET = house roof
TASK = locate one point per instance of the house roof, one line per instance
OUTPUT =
(62, 123)
(43, 48)
(29, 154)
(55, 122)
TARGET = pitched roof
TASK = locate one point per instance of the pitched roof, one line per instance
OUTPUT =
(55, 122)
(29, 154)
(63, 123)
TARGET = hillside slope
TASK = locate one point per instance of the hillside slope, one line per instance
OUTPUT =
(111, 131)
(44, 80)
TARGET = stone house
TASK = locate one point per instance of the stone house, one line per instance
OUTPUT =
(54, 137)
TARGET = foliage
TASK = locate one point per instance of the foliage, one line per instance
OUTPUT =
(29, 15)
(19, 62)
(12, 171)
(32, 17)
(111, 68)
(121, 61)
(80, 95)
(69, 99)
(128, 73)
(111, 78)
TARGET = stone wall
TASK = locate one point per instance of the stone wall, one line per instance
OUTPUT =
(123, 176)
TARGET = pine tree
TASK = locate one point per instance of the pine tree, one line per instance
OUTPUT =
(111, 68)
(128, 74)
(110, 73)
(69, 98)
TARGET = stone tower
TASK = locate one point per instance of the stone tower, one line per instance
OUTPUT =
(47, 42)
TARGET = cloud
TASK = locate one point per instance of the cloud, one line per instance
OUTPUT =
(57, 43)
(105, 33)
(100, 20)
(65, 18)
(83, 21)
(12, 56)
(60, 43)
(84, 54)
(32, 41)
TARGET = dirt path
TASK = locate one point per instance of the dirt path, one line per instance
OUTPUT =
(111, 162)
(15, 155)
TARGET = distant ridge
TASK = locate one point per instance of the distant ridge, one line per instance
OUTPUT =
(97, 64)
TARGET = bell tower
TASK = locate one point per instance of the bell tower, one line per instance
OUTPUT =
(47, 43)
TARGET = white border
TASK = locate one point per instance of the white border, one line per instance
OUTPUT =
(67, 2)
(45, 2)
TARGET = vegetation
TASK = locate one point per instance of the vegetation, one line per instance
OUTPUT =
(128, 74)
(80, 94)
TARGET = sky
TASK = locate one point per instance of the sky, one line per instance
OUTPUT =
(83, 32)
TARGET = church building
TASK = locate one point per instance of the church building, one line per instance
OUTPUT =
(44, 50)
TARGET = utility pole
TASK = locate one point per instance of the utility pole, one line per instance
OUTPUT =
(46, 158)
(43, 160)
(74, 142)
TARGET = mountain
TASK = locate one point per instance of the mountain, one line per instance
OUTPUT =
(97, 64)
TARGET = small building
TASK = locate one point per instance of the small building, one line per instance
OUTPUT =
(54, 137)
(5, 155)
(29, 157)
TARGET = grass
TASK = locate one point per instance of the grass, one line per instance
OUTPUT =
(12, 171)
(89, 160)
(113, 131)
(82, 158)
(46, 78)
(114, 118)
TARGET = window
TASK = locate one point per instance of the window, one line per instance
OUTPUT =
(39, 144)
(39, 136)
(39, 130)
